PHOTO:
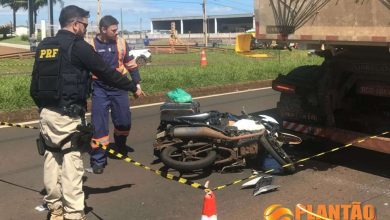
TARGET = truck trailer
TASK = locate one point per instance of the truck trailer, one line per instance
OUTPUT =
(347, 97)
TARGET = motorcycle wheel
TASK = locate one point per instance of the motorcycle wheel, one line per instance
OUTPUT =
(277, 153)
(180, 159)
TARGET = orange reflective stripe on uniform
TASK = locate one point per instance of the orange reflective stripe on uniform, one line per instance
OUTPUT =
(103, 140)
(121, 47)
(131, 65)
(120, 55)
(123, 133)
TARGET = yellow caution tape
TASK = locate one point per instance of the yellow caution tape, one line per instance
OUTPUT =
(129, 160)
(194, 184)
(17, 125)
(296, 162)
(164, 174)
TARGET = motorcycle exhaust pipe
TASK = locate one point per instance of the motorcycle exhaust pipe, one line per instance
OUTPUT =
(205, 132)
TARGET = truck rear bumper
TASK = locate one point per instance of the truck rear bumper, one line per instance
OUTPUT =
(371, 142)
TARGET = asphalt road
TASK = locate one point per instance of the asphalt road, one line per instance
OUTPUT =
(128, 192)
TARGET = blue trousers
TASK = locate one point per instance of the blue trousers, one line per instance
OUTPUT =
(102, 101)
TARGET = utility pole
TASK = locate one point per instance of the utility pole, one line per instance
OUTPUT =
(140, 27)
(204, 23)
(30, 17)
(51, 18)
(121, 24)
(98, 12)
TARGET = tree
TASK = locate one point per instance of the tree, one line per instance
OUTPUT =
(15, 5)
(5, 29)
(41, 3)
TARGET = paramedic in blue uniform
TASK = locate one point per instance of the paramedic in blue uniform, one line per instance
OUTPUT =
(115, 52)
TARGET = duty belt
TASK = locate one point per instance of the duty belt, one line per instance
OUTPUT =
(80, 139)
(72, 111)
(59, 150)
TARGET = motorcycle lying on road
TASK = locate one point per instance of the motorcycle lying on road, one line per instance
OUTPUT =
(199, 141)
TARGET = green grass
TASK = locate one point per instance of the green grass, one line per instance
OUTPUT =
(14, 92)
(14, 40)
(16, 66)
(223, 68)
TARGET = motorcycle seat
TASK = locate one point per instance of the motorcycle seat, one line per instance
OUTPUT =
(197, 117)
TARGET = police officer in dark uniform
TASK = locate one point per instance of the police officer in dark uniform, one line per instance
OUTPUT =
(60, 88)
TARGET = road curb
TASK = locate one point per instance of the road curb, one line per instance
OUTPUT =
(32, 113)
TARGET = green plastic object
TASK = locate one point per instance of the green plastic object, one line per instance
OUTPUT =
(179, 95)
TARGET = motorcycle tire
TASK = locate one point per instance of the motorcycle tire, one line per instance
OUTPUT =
(204, 162)
(278, 154)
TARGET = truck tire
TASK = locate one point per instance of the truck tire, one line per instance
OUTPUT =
(205, 160)
(290, 106)
(308, 72)
(305, 101)
(305, 78)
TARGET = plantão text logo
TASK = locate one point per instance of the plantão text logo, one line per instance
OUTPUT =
(353, 211)
(278, 212)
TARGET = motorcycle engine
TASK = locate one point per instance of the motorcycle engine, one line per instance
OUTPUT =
(232, 131)
(249, 150)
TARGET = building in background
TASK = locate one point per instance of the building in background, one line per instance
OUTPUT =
(234, 23)
(21, 30)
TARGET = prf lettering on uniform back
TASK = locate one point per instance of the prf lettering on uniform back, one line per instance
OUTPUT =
(48, 53)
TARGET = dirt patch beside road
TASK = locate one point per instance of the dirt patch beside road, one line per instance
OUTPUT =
(32, 114)
(8, 50)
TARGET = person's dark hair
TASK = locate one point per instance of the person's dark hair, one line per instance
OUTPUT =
(72, 13)
(107, 21)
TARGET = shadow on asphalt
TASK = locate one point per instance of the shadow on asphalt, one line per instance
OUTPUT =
(194, 175)
(90, 190)
(20, 186)
(353, 157)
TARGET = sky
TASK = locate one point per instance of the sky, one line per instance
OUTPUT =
(136, 12)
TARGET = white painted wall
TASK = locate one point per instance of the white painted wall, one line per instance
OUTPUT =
(21, 30)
